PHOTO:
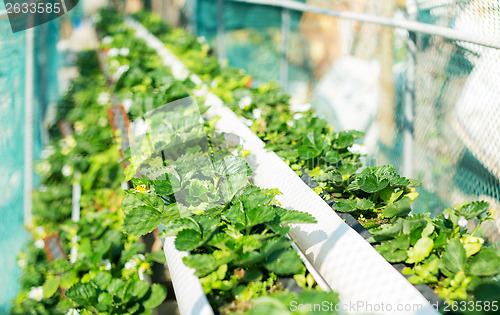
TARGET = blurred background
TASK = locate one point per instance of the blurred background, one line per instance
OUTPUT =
(429, 102)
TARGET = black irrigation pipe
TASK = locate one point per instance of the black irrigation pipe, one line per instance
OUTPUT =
(424, 289)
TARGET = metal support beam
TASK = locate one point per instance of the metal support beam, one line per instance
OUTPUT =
(409, 94)
(413, 26)
(28, 126)
(285, 35)
(221, 30)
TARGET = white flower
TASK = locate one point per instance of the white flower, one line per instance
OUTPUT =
(301, 108)
(297, 116)
(21, 263)
(73, 311)
(446, 215)
(36, 293)
(131, 264)
(107, 264)
(44, 168)
(245, 101)
(141, 273)
(103, 98)
(40, 230)
(113, 52)
(47, 152)
(127, 103)
(67, 170)
(103, 122)
(107, 40)
(79, 127)
(357, 149)
(214, 84)
(39, 244)
(257, 113)
(462, 222)
(202, 39)
(124, 52)
(120, 71)
(291, 123)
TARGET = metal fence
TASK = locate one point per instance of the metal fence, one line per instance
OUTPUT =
(418, 76)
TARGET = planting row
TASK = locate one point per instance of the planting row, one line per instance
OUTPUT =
(441, 252)
(80, 262)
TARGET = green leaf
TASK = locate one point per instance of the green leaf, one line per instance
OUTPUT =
(50, 287)
(83, 294)
(454, 258)
(156, 297)
(141, 220)
(474, 209)
(395, 250)
(102, 279)
(188, 240)
(370, 183)
(364, 204)
(134, 200)
(140, 288)
(344, 139)
(399, 209)
(342, 205)
(284, 262)
(420, 251)
(294, 216)
(332, 157)
(485, 263)
(68, 279)
(260, 215)
(163, 187)
(105, 301)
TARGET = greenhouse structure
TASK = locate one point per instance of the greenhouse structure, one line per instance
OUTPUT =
(250, 157)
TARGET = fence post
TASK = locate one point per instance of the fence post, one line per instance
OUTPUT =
(285, 33)
(409, 98)
(221, 29)
(28, 126)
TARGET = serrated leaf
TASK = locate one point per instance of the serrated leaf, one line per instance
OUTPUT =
(188, 240)
(474, 209)
(260, 215)
(370, 183)
(141, 220)
(345, 205)
(163, 187)
(294, 216)
(364, 204)
(83, 294)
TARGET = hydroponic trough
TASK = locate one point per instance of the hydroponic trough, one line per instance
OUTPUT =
(349, 265)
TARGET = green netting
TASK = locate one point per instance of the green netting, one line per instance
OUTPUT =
(12, 233)
(12, 100)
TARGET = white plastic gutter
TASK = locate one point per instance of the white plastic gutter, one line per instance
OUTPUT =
(364, 280)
